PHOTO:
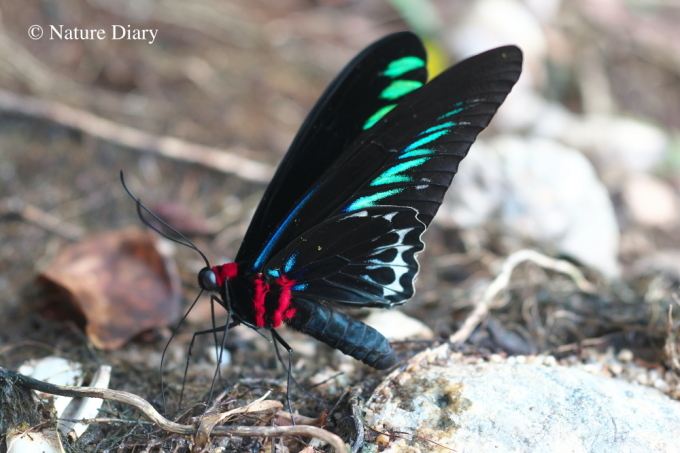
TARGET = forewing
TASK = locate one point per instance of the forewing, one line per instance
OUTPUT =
(408, 158)
(369, 86)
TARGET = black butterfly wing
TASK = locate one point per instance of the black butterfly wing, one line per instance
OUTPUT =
(364, 257)
(398, 170)
(369, 86)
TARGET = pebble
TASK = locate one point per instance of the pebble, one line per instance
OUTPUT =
(625, 355)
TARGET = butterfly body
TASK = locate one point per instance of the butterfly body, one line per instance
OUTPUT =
(340, 224)
(268, 301)
(262, 300)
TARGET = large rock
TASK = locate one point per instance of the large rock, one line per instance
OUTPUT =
(471, 405)
(540, 191)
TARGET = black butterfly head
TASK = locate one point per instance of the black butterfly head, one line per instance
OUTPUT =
(207, 280)
(214, 279)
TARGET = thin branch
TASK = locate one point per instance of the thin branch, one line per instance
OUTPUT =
(227, 161)
(503, 279)
(30, 213)
(147, 409)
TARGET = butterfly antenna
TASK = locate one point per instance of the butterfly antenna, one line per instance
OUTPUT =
(140, 206)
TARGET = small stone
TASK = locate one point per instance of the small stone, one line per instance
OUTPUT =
(661, 385)
(396, 326)
(382, 440)
(213, 355)
(413, 367)
(403, 378)
(642, 379)
(653, 374)
(651, 202)
(625, 355)
(550, 361)
(592, 368)
(536, 359)
(496, 358)
(616, 369)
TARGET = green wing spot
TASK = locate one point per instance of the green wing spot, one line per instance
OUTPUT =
(398, 88)
(441, 126)
(451, 113)
(425, 140)
(416, 153)
(392, 175)
(378, 115)
(368, 201)
(403, 65)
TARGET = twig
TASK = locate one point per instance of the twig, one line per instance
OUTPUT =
(33, 214)
(671, 346)
(502, 280)
(227, 161)
(147, 409)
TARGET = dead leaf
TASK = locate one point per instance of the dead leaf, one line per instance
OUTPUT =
(182, 218)
(119, 282)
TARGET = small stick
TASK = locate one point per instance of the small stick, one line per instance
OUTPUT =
(224, 160)
(35, 215)
(147, 409)
(502, 280)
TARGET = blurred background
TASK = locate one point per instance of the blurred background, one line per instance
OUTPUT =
(582, 162)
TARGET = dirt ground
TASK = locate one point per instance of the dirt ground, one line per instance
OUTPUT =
(240, 76)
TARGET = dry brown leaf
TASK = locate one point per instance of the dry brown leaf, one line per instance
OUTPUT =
(182, 218)
(120, 283)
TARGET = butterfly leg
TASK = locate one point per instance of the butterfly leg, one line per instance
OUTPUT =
(165, 349)
(230, 324)
(218, 352)
(289, 370)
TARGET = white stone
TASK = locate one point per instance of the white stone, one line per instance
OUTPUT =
(542, 192)
(500, 408)
(493, 23)
(57, 371)
(650, 201)
(396, 326)
(625, 355)
(619, 145)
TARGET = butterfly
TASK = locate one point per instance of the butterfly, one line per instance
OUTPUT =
(340, 224)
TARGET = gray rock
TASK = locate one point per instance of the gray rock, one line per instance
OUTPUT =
(541, 192)
(471, 405)
(651, 202)
(491, 23)
(619, 145)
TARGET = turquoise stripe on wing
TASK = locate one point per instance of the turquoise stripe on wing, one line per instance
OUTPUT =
(392, 175)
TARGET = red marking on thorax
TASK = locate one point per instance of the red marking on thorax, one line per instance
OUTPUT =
(224, 272)
(283, 311)
(261, 290)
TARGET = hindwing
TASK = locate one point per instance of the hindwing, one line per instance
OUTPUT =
(365, 257)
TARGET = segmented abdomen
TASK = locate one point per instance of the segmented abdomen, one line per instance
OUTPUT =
(342, 332)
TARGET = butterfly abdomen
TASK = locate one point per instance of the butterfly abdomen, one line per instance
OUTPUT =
(342, 332)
